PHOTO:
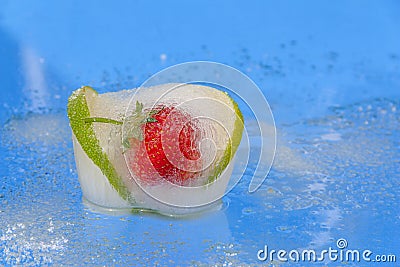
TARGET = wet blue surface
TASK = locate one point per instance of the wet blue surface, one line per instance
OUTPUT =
(331, 73)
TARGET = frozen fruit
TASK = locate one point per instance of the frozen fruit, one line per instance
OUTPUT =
(183, 134)
(166, 144)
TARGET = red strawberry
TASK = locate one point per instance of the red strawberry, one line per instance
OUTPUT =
(166, 145)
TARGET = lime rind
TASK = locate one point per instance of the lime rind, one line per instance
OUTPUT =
(232, 144)
(78, 111)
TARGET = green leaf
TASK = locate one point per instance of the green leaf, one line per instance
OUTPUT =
(139, 107)
(137, 133)
(154, 112)
(133, 123)
(150, 119)
(125, 145)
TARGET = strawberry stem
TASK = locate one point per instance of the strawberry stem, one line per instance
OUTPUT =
(132, 123)
(102, 120)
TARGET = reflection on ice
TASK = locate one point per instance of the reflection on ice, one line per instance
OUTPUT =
(331, 137)
(35, 87)
(329, 219)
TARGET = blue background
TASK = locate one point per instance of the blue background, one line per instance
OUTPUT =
(330, 71)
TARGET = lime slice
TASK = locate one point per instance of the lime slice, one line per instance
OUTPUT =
(100, 181)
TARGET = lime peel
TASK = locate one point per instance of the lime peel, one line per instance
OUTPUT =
(232, 144)
(78, 114)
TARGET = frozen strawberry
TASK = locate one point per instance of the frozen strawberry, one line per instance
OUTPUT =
(165, 141)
